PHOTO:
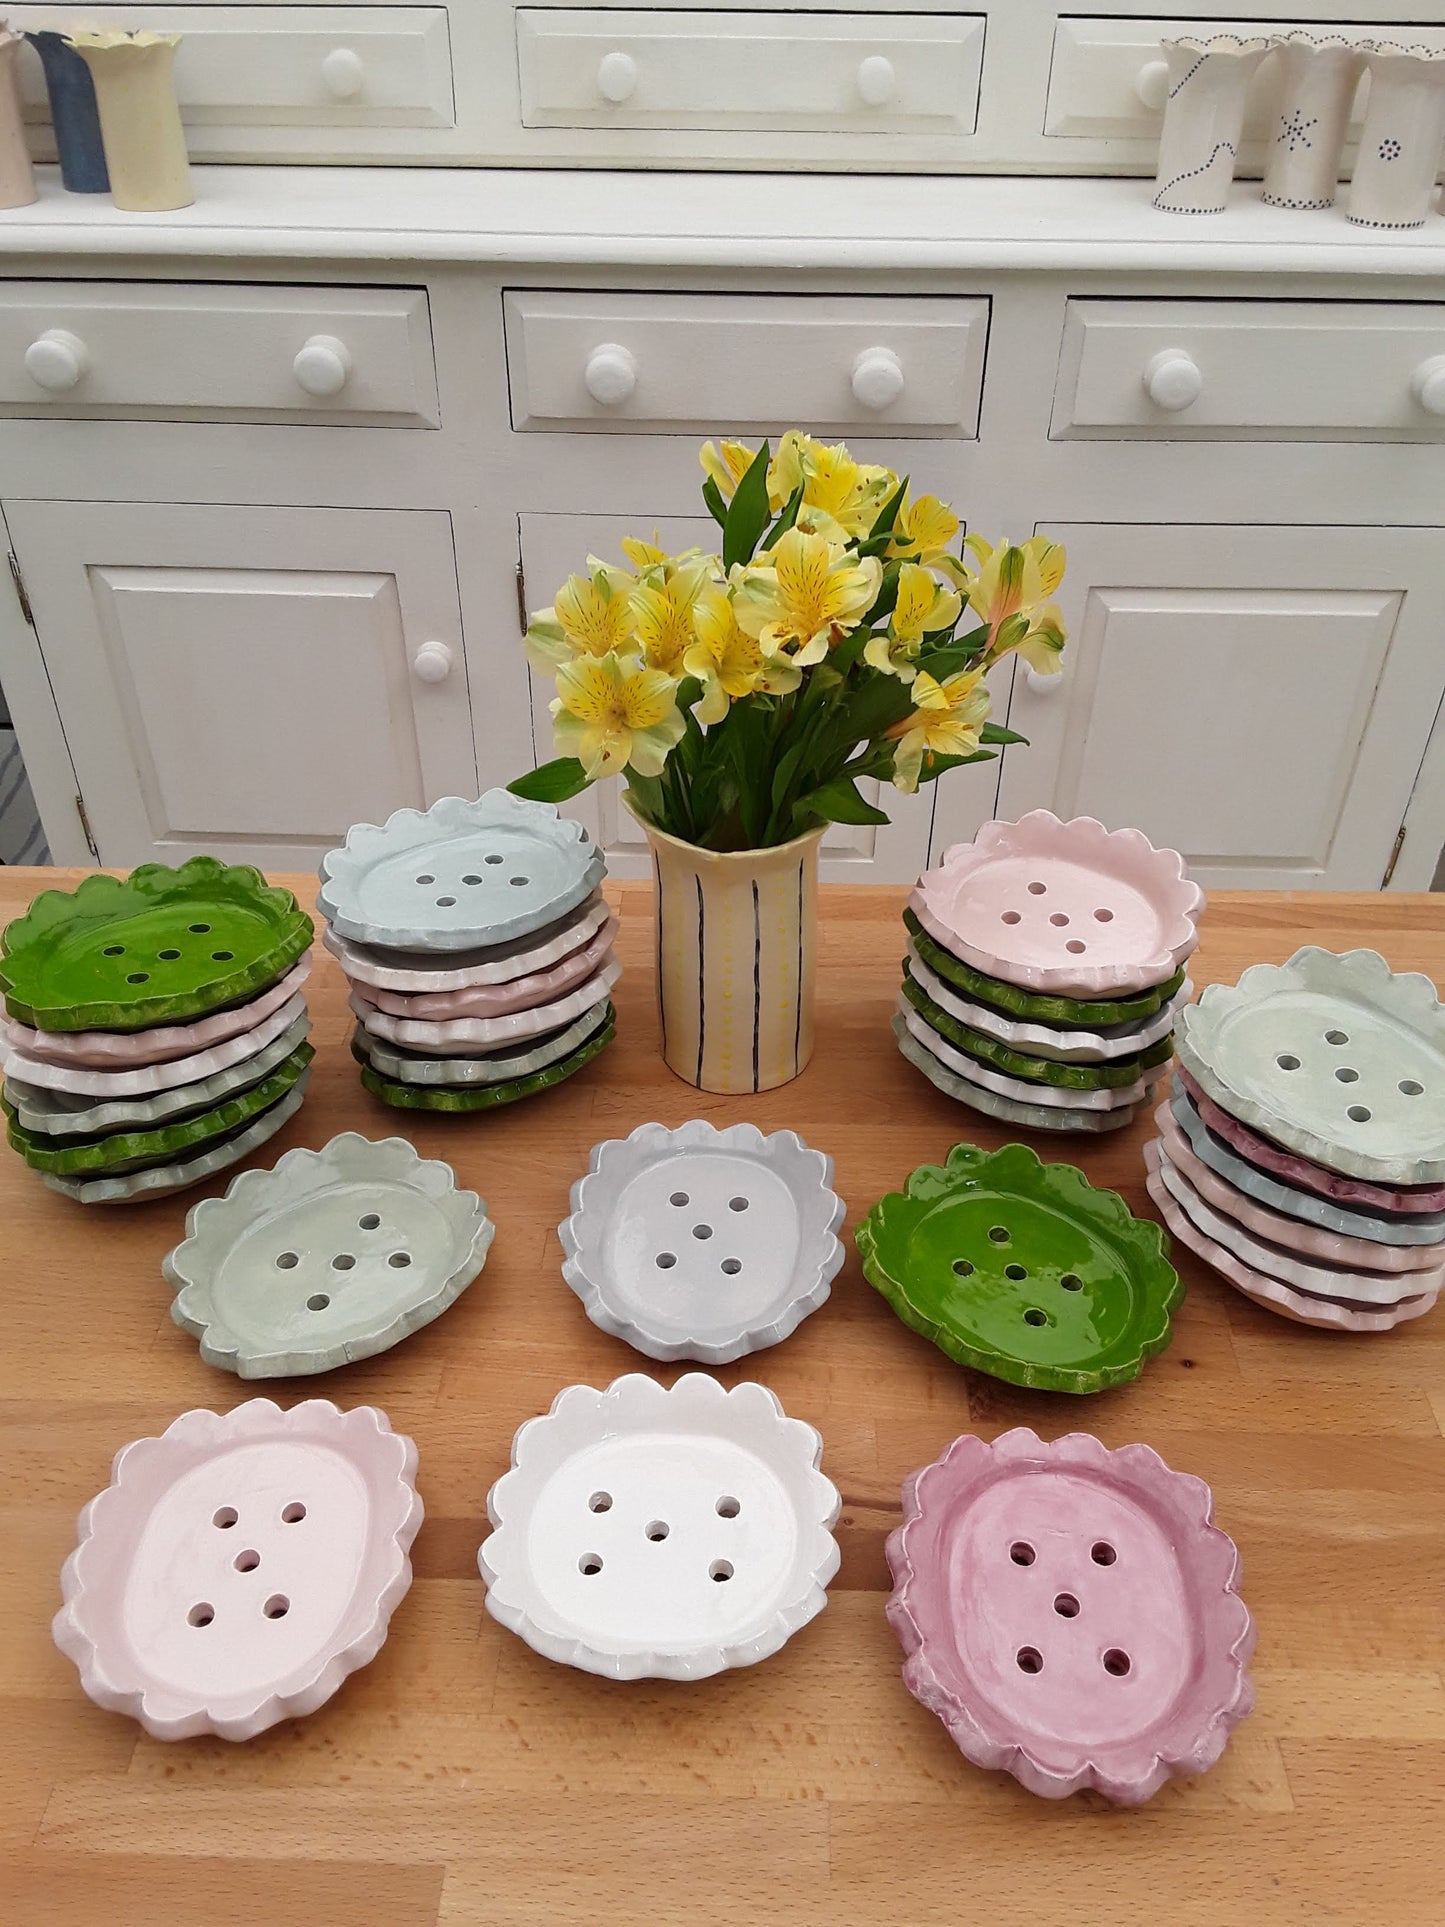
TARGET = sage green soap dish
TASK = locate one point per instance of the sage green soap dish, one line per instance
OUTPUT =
(75, 1157)
(1023, 1270)
(1094, 1013)
(1112, 1076)
(156, 947)
(1008, 1110)
(482, 1097)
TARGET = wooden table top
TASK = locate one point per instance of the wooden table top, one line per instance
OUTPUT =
(461, 1778)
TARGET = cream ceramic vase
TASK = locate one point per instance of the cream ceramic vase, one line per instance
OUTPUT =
(735, 935)
(1203, 120)
(1400, 143)
(17, 176)
(140, 118)
(1317, 82)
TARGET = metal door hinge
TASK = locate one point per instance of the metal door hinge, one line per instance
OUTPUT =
(19, 581)
(521, 598)
(1394, 858)
(84, 815)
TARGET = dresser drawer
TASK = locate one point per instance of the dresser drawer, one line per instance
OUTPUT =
(1242, 370)
(258, 79)
(86, 349)
(865, 73)
(737, 363)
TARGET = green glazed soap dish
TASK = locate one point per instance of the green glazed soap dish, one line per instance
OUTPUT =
(1023, 1270)
(159, 946)
(482, 1097)
(1094, 1013)
(1112, 1076)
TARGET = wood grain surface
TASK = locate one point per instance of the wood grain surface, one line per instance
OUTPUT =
(461, 1778)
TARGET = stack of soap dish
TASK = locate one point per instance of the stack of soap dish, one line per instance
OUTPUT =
(1045, 971)
(1302, 1152)
(478, 949)
(155, 1027)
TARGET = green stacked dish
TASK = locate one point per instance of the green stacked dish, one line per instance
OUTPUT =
(155, 1026)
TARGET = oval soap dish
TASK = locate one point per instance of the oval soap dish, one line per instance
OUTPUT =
(1071, 1614)
(1023, 1270)
(118, 1049)
(703, 1243)
(648, 1533)
(240, 1566)
(329, 1257)
(179, 1174)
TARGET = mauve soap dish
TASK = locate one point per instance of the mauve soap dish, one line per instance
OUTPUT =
(240, 1566)
(1071, 1613)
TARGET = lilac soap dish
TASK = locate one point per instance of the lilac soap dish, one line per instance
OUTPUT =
(703, 1243)
(1069, 908)
(240, 1566)
(329, 1257)
(1071, 1613)
(647, 1533)
(472, 1034)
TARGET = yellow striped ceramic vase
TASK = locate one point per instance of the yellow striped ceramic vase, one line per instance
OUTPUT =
(735, 936)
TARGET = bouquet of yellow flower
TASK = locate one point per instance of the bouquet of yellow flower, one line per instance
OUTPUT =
(744, 694)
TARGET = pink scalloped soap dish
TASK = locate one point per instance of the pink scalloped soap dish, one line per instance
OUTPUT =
(1071, 1613)
(239, 1567)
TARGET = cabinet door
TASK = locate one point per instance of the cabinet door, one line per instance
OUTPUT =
(1258, 698)
(556, 546)
(244, 680)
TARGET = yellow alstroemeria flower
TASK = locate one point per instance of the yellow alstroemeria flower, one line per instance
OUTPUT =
(841, 497)
(1011, 579)
(1039, 638)
(728, 663)
(805, 597)
(925, 530)
(727, 464)
(946, 720)
(643, 554)
(611, 713)
(923, 606)
(592, 616)
(662, 612)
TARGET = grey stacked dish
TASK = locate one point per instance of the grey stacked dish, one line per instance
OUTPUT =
(478, 949)
(1302, 1149)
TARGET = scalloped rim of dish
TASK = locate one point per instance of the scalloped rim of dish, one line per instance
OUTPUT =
(467, 1100)
(1053, 1074)
(255, 1417)
(1049, 1096)
(1099, 1206)
(295, 932)
(145, 1079)
(516, 959)
(400, 1067)
(595, 1193)
(706, 1658)
(448, 819)
(1364, 979)
(522, 993)
(104, 1049)
(1043, 1040)
(461, 1034)
(990, 1743)
(1268, 1292)
(1220, 43)
(160, 1179)
(214, 1226)
(1027, 1117)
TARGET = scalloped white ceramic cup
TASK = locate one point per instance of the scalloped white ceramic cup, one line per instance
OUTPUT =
(1071, 909)
(240, 1566)
(647, 1533)
(703, 1243)
(329, 1257)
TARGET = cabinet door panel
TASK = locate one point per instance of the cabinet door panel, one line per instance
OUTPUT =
(1258, 698)
(240, 679)
(556, 546)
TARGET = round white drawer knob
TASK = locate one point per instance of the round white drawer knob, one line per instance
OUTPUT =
(611, 374)
(616, 77)
(1041, 684)
(342, 74)
(1172, 380)
(432, 662)
(1427, 385)
(323, 365)
(875, 81)
(1151, 84)
(877, 378)
(57, 360)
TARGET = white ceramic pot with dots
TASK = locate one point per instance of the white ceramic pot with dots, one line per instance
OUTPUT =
(703, 1243)
(647, 1533)
(1203, 119)
(1317, 81)
(1393, 185)
(240, 1566)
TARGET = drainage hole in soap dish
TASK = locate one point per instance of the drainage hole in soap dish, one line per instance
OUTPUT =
(600, 1502)
(293, 1513)
(1058, 919)
(666, 1260)
(426, 879)
(343, 1261)
(225, 1518)
(1346, 1075)
(138, 977)
(1076, 948)
(590, 1564)
(168, 956)
(277, 1606)
(1016, 1272)
(201, 1614)
(1034, 1316)
(1409, 1088)
(199, 929)
(1337, 1037)
(247, 1561)
(287, 1260)
(963, 1267)
(1010, 916)
(702, 1231)
(318, 1301)
(679, 1198)
(1037, 889)
(369, 1222)
(519, 883)
(399, 1260)
(113, 950)
(737, 1204)
(720, 1569)
(657, 1530)
(1030, 1659)
(1022, 1553)
(222, 956)
(1103, 916)
(727, 1507)
(471, 879)
(998, 1234)
(445, 903)
(1066, 1606)
(1287, 1062)
(1102, 1553)
(1116, 1662)
(732, 1266)
(1358, 1114)
(1071, 1282)
(492, 859)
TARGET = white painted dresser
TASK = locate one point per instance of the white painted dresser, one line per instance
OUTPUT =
(274, 468)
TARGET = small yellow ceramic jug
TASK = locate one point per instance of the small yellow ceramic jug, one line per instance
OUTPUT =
(17, 177)
(140, 118)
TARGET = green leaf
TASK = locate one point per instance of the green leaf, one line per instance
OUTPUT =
(786, 520)
(850, 649)
(748, 516)
(689, 691)
(552, 782)
(996, 733)
(717, 507)
(881, 533)
(839, 802)
(887, 598)
(936, 766)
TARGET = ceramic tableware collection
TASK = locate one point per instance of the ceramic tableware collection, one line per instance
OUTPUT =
(478, 949)
(1045, 967)
(155, 1027)
(1302, 1148)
